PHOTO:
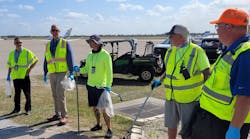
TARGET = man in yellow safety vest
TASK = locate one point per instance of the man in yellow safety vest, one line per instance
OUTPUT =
(187, 67)
(58, 61)
(225, 100)
(20, 63)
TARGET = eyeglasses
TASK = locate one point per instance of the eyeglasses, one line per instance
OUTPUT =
(216, 26)
(55, 30)
(18, 42)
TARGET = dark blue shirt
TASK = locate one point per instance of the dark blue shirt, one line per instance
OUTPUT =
(17, 54)
(69, 56)
(240, 71)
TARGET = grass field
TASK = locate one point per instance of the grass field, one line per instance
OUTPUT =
(42, 105)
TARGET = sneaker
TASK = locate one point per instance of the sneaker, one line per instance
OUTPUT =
(27, 113)
(63, 121)
(53, 118)
(109, 134)
(96, 127)
(15, 112)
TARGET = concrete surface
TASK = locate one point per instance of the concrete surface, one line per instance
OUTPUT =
(11, 130)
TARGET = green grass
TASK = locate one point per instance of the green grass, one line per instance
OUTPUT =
(42, 104)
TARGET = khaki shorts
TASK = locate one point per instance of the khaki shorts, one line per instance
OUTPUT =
(175, 112)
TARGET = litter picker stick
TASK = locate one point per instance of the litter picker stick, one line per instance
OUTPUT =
(77, 106)
(117, 95)
(129, 131)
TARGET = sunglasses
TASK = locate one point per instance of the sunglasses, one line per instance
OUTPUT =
(18, 42)
(55, 30)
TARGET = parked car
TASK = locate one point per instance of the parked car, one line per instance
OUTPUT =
(162, 47)
(213, 48)
(130, 62)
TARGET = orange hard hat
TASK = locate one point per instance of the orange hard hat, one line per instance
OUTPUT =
(233, 16)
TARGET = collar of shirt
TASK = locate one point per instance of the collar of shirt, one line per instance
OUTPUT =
(236, 44)
(53, 45)
(182, 45)
(17, 53)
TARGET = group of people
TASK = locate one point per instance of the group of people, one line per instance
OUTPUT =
(58, 62)
(211, 102)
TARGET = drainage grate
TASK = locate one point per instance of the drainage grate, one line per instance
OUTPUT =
(153, 107)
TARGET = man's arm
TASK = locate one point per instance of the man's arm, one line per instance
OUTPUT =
(108, 66)
(206, 73)
(34, 61)
(31, 67)
(69, 58)
(241, 111)
(162, 76)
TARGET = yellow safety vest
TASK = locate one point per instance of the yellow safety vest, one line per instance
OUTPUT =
(59, 62)
(176, 87)
(19, 68)
(216, 95)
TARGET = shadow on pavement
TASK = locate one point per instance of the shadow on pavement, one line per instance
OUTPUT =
(40, 123)
(8, 116)
(25, 132)
(12, 132)
(69, 135)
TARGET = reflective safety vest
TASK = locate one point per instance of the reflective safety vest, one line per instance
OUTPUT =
(216, 95)
(19, 68)
(58, 63)
(176, 87)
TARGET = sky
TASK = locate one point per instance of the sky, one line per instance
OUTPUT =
(86, 17)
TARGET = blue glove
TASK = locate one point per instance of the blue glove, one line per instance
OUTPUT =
(156, 84)
(71, 76)
(76, 69)
(233, 133)
(8, 77)
(45, 78)
(107, 89)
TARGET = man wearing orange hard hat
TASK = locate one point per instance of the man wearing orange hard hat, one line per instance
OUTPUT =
(225, 101)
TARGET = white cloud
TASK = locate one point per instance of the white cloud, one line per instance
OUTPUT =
(51, 19)
(158, 10)
(40, 1)
(26, 7)
(73, 15)
(80, 0)
(13, 15)
(116, 0)
(127, 6)
(6, 0)
(99, 17)
(2, 10)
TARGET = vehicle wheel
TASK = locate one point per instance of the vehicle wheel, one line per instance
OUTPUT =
(147, 75)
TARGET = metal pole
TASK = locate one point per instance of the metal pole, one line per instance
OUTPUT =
(129, 131)
(77, 106)
(117, 95)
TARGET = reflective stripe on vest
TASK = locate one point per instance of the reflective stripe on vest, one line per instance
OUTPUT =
(16, 66)
(184, 87)
(216, 95)
(57, 63)
(176, 86)
(191, 59)
(56, 60)
(19, 68)
(171, 77)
